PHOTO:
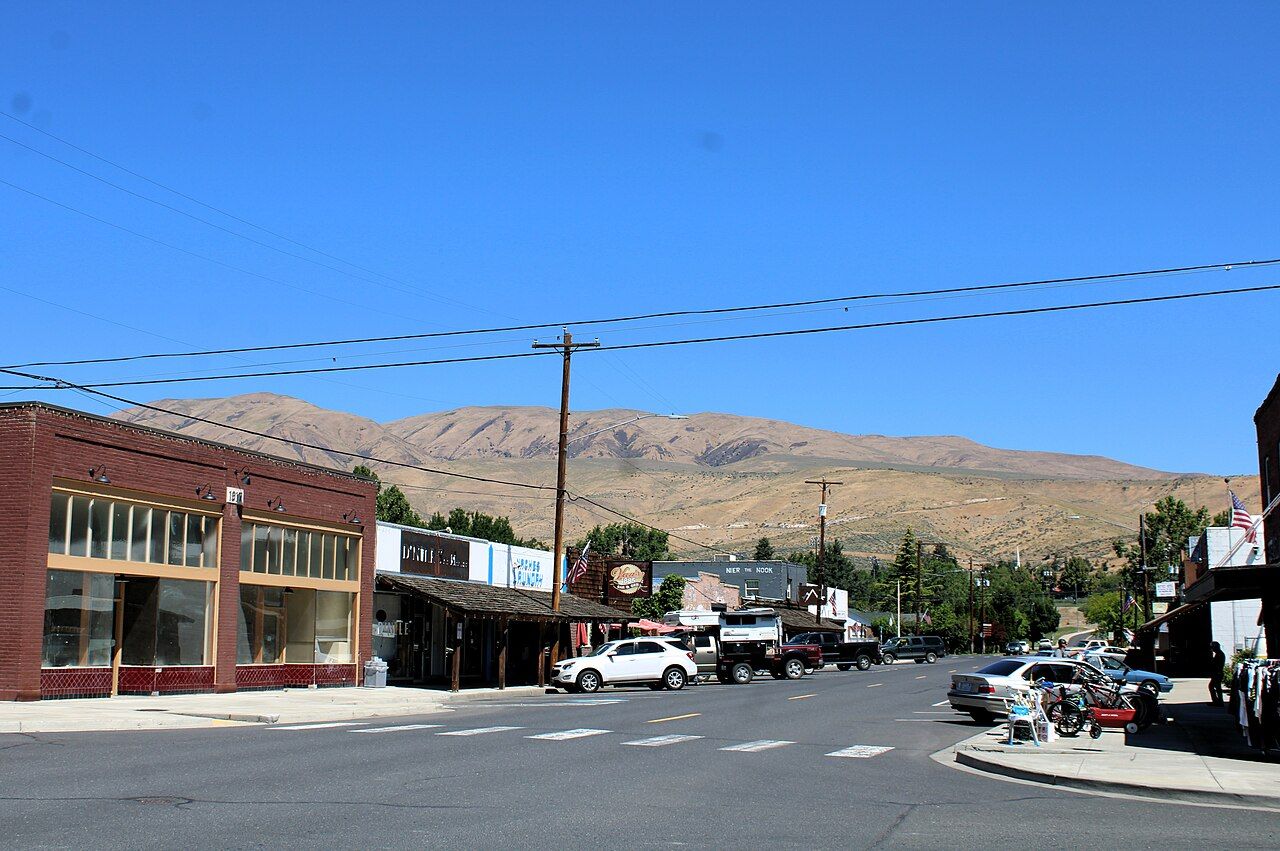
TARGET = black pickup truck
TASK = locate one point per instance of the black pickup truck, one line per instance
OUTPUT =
(843, 654)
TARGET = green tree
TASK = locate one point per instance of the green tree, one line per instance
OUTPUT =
(1166, 532)
(394, 507)
(1222, 518)
(837, 568)
(630, 540)
(477, 524)
(1103, 611)
(1076, 575)
(365, 473)
(764, 550)
(667, 597)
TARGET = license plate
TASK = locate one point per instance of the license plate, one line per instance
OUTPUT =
(964, 687)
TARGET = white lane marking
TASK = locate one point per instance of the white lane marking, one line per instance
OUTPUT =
(579, 733)
(395, 729)
(860, 751)
(952, 671)
(940, 703)
(318, 726)
(921, 677)
(760, 745)
(477, 731)
(602, 702)
(659, 741)
(875, 685)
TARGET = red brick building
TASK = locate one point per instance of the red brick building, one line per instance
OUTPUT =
(134, 560)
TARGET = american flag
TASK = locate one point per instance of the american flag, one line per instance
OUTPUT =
(1128, 603)
(1241, 517)
(579, 566)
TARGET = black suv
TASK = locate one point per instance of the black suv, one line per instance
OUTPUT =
(921, 648)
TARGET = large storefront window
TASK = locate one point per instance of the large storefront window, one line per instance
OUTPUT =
(78, 619)
(283, 551)
(119, 530)
(165, 622)
(293, 625)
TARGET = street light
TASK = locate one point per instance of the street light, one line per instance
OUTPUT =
(626, 422)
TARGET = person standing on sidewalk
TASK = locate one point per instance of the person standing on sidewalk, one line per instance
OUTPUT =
(1217, 664)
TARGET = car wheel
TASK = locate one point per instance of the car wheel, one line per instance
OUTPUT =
(741, 673)
(889, 658)
(864, 663)
(843, 667)
(793, 669)
(1151, 687)
(589, 682)
(673, 679)
(982, 716)
(931, 657)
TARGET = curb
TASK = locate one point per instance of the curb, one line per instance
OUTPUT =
(232, 716)
(970, 759)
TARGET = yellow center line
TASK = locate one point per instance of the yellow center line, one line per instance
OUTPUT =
(674, 718)
(802, 696)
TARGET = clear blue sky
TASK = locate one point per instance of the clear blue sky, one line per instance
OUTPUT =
(570, 161)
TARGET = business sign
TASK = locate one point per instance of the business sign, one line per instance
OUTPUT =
(810, 595)
(1159, 608)
(425, 554)
(527, 572)
(1166, 589)
(627, 580)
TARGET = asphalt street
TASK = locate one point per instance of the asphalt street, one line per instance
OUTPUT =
(837, 759)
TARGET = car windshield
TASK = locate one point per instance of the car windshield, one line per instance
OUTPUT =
(1003, 668)
(895, 642)
(603, 648)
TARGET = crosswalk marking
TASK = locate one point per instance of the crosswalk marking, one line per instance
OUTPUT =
(318, 726)
(477, 731)
(659, 741)
(760, 745)
(940, 703)
(395, 729)
(861, 751)
(580, 733)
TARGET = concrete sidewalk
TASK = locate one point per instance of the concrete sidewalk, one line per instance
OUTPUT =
(286, 706)
(1196, 757)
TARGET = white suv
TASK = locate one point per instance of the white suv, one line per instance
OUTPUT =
(649, 661)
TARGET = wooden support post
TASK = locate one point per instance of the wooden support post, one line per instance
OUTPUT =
(542, 668)
(455, 679)
(503, 635)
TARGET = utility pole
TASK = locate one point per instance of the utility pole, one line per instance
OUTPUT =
(567, 347)
(971, 641)
(899, 608)
(919, 546)
(1142, 549)
(982, 616)
(822, 543)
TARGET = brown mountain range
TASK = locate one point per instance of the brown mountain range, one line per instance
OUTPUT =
(720, 480)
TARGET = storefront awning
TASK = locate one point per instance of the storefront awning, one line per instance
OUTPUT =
(1245, 582)
(1172, 614)
(476, 598)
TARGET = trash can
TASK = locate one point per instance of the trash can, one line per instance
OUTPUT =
(375, 673)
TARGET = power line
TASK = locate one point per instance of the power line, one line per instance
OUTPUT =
(1112, 276)
(898, 323)
(411, 289)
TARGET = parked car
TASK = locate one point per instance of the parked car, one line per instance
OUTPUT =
(990, 690)
(1020, 647)
(1117, 670)
(843, 654)
(1044, 644)
(920, 648)
(631, 661)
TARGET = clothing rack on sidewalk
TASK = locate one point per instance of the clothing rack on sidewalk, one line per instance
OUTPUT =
(1255, 702)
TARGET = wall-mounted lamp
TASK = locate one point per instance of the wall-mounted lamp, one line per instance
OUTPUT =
(243, 476)
(352, 516)
(276, 504)
(99, 474)
(206, 492)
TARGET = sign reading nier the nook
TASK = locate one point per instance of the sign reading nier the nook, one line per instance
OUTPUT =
(433, 555)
